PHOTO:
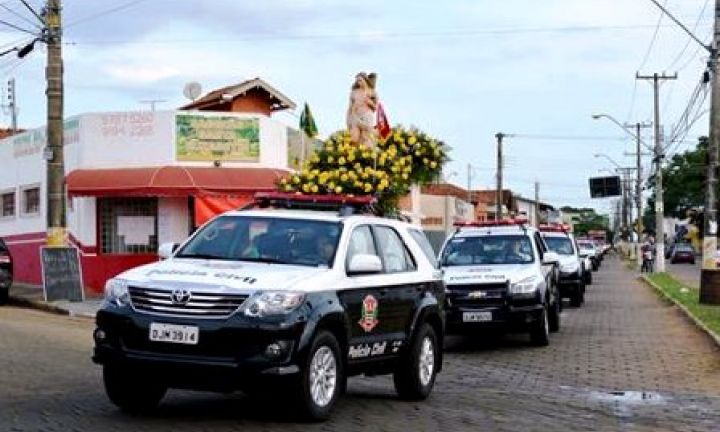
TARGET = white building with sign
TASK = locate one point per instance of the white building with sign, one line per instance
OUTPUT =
(135, 180)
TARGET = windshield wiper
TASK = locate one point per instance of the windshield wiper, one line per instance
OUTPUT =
(267, 260)
(202, 256)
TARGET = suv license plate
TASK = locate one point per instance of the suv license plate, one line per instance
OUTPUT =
(174, 333)
(477, 316)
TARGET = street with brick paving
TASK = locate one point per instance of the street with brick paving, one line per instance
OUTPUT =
(626, 360)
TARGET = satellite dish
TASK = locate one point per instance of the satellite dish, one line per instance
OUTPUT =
(192, 90)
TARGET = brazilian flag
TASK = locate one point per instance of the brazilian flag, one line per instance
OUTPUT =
(307, 122)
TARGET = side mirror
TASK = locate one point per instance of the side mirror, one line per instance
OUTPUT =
(364, 264)
(166, 250)
(551, 258)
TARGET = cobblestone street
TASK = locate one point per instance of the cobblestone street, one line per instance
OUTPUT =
(625, 361)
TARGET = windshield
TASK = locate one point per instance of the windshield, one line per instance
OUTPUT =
(270, 240)
(684, 248)
(560, 245)
(586, 246)
(501, 249)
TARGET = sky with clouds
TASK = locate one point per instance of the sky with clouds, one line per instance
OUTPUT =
(462, 70)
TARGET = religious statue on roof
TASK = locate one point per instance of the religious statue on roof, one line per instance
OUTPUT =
(361, 112)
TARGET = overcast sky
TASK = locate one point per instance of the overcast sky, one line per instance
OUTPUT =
(461, 70)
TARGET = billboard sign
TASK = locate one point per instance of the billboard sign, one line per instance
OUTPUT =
(200, 138)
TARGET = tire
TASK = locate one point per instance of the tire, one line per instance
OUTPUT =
(322, 380)
(554, 317)
(588, 277)
(595, 265)
(415, 376)
(578, 296)
(540, 330)
(131, 390)
(5, 283)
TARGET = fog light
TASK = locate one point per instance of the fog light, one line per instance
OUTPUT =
(277, 349)
(99, 335)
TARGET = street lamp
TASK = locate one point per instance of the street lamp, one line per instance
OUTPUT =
(621, 126)
(598, 155)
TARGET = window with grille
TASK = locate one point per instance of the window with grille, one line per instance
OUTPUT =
(128, 225)
(30, 200)
(8, 204)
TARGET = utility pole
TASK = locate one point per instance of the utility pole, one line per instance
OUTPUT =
(152, 103)
(499, 192)
(537, 204)
(12, 104)
(638, 184)
(657, 158)
(710, 277)
(55, 157)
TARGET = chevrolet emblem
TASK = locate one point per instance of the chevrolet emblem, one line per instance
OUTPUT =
(477, 294)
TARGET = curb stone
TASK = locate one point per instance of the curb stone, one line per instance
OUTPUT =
(47, 307)
(714, 336)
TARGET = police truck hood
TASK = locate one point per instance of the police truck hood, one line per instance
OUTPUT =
(239, 275)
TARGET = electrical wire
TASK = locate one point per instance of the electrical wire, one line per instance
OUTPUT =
(33, 11)
(18, 28)
(27, 20)
(386, 35)
(103, 13)
(690, 39)
(654, 38)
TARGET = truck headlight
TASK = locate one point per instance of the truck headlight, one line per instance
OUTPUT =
(524, 286)
(116, 292)
(273, 303)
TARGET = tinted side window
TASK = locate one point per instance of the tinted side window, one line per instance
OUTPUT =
(393, 252)
(361, 242)
(425, 246)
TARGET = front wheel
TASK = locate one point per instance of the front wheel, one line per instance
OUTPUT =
(540, 330)
(132, 390)
(554, 317)
(415, 375)
(5, 282)
(322, 380)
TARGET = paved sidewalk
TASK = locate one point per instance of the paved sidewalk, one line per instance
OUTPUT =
(32, 296)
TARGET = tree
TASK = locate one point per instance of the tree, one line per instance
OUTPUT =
(683, 185)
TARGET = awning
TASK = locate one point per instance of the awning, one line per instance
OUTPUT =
(171, 181)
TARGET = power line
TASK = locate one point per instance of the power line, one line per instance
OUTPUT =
(34, 24)
(387, 35)
(103, 13)
(24, 2)
(652, 41)
(13, 26)
(687, 43)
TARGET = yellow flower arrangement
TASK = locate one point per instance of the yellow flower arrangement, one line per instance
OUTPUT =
(407, 156)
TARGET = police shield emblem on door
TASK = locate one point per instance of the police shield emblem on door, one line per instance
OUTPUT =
(368, 317)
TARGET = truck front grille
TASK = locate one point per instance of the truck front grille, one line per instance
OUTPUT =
(200, 304)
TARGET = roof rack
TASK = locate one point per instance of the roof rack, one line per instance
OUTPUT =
(343, 204)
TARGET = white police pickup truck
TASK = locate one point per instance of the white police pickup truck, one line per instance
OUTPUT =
(500, 275)
(276, 298)
(573, 273)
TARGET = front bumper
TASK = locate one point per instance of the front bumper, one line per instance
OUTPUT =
(230, 354)
(507, 315)
(568, 282)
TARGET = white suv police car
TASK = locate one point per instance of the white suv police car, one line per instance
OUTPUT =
(501, 273)
(287, 301)
(572, 271)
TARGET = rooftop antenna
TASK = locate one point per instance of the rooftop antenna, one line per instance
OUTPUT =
(152, 103)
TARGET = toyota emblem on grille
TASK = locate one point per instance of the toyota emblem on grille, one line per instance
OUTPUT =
(180, 296)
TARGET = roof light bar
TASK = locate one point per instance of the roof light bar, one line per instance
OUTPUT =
(498, 223)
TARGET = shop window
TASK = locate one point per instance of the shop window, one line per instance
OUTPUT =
(128, 225)
(30, 200)
(7, 200)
